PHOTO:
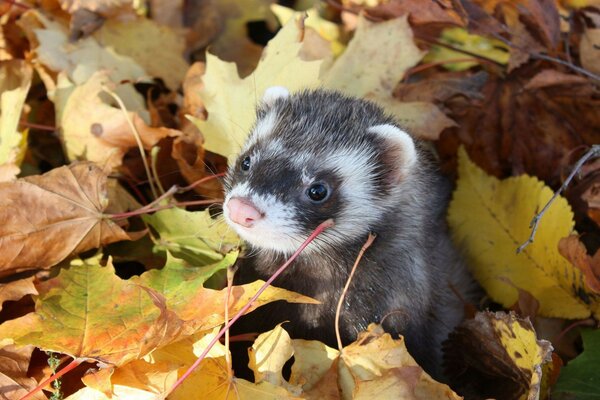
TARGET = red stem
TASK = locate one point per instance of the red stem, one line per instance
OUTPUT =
(72, 365)
(37, 126)
(145, 210)
(200, 181)
(316, 232)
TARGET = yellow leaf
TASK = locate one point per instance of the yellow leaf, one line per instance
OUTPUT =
(154, 47)
(231, 101)
(367, 70)
(94, 130)
(379, 367)
(490, 219)
(327, 29)
(269, 353)
(492, 49)
(15, 80)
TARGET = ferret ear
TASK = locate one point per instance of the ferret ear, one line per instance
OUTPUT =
(274, 93)
(402, 146)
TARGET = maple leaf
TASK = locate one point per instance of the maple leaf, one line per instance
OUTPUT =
(94, 130)
(193, 236)
(502, 352)
(490, 219)
(15, 80)
(230, 117)
(48, 218)
(157, 49)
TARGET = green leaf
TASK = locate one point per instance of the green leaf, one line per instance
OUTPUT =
(192, 236)
(580, 379)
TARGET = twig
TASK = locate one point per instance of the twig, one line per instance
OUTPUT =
(72, 365)
(338, 310)
(313, 235)
(146, 209)
(591, 153)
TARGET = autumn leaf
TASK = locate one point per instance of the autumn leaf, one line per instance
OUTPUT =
(15, 80)
(230, 117)
(574, 251)
(490, 218)
(94, 130)
(157, 49)
(377, 366)
(14, 381)
(48, 218)
(502, 352)
(81, 313)
(193, 236)
(16, 290)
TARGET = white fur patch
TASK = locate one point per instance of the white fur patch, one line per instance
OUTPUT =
(277, 230)
(264, 126)
(273, 93)
(355, 167)
(401, 138)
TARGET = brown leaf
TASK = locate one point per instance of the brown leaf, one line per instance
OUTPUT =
(17, 289)
(496, 355)
(589, 50)
(434, 12)
(511, 131)
(46, 218)
(574, 251)
(14, 382)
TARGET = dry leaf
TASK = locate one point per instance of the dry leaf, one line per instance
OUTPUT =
(47, 218)
(490, 220)
(14, 381)
(15, 80)
(574, 251)
(16, 290)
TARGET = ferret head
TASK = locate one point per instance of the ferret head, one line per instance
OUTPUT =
(312, 156)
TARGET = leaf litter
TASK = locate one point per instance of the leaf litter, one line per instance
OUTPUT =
(514, 83)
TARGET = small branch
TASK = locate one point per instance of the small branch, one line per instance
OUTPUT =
(338, 310)
(37, 126)
(200, 181)
(72, 365)
(591, 153)
(14, 3)
(319, 229)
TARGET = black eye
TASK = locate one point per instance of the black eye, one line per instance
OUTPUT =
(317, 192)
(245, 164)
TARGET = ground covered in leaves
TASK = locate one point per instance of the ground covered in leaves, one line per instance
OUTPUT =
(117, 119)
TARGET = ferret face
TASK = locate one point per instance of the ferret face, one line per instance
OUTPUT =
(310, 157)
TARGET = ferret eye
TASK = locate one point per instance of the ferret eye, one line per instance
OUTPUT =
(245, 164)
(317, 192)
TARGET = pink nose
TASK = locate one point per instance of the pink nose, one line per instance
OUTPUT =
(243, 212)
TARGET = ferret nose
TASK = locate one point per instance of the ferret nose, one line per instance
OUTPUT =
(243, 212)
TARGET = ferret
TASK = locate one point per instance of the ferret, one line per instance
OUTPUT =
(316, 155)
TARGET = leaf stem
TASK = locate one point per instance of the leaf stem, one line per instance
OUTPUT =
(318, 230)
(72, 365)
(338, 310)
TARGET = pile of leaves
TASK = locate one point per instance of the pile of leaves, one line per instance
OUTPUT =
(117, 119)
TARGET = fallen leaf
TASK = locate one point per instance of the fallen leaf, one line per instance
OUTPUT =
(157, 49)
(268, 354)
(438, 13)
(81, 313)
(193, 236)
(497, 355)
(589, 50)
(16, 290)
(78, 61)
(377, 366)
(14, 381)
(490, 218)
(574, 251)
(93, 129)
(107, 8)
(230, 117)
(579, 378)
(48, 218)
(15, 81)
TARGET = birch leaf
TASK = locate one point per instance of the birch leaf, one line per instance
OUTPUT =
(490, 218)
